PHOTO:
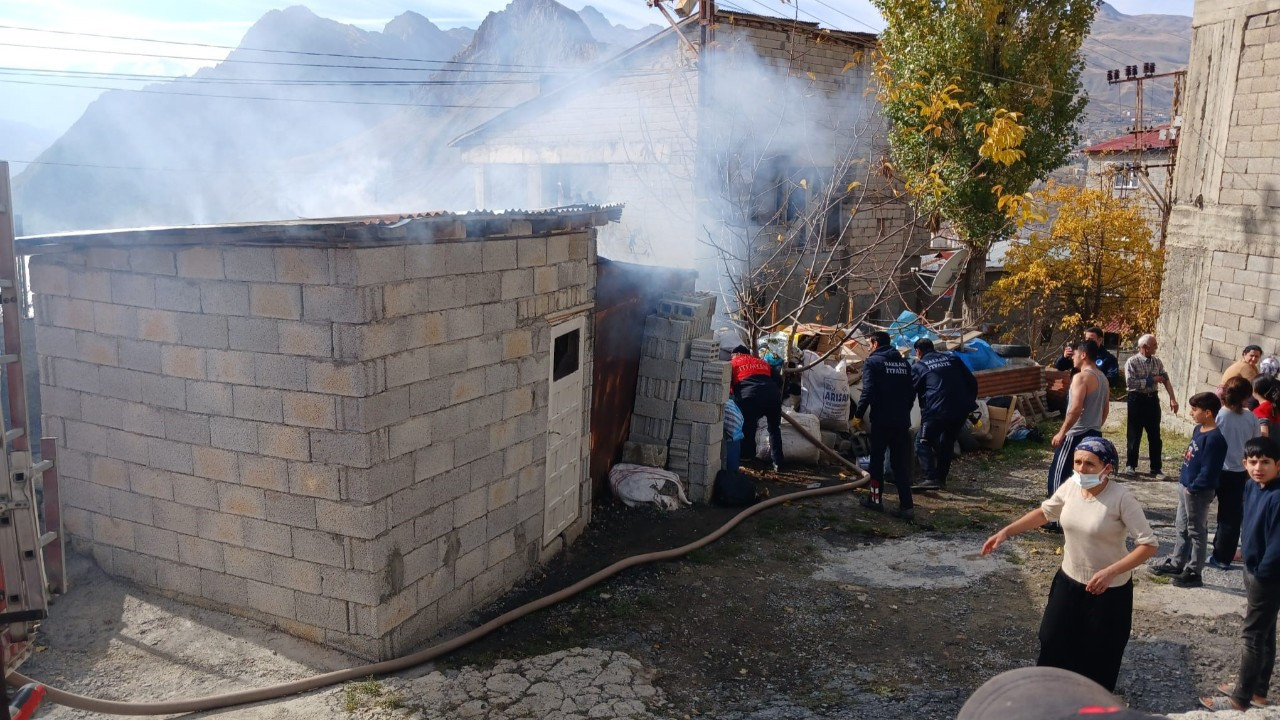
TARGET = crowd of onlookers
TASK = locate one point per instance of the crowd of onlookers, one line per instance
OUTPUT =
(1230, 460)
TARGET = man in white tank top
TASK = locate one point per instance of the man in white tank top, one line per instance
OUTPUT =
(1088, 402)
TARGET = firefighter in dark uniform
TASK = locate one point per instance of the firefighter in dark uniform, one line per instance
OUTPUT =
(757, 389)
(948, 392)
(888, 391)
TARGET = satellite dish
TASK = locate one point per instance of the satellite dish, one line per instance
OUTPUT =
(947, 274)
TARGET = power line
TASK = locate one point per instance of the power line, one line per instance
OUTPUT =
(860, 22)
(256, 97)
(32, 46)
(254, 49)
(254, 171)
(140, 77)
(820, 21)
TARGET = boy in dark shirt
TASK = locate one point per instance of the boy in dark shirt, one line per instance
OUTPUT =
(1197, 487)
(1261, 539)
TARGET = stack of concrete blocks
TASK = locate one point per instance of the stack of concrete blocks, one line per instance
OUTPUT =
(680, 394)
(697, 436)
(348, 443)
(664, 346)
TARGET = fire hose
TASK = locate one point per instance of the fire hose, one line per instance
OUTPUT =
(272, 692)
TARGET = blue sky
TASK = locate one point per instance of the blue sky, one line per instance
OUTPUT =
(225, 22)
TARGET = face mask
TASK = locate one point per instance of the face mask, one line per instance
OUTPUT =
(1088, 480)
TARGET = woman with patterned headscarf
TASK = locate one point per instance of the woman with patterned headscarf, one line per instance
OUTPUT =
(1086, 622)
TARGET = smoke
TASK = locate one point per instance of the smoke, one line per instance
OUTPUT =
(712, 162)
(244, 141)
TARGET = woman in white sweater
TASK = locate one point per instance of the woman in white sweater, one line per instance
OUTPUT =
(1086, 622)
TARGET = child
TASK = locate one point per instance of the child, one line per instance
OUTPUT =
(1196, 490)
(1261, 537)
(1238, 426)
(1266, 391)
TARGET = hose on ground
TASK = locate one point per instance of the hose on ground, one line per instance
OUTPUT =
(241, 697)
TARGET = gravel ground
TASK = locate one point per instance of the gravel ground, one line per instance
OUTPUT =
(815, 610)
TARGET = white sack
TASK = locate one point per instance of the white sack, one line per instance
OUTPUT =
(640, 485)
(824, 393)
(795, 448)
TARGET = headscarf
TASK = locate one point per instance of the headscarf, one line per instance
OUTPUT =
(1101, 447)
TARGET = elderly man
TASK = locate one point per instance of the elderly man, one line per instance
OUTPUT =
(1143, 374)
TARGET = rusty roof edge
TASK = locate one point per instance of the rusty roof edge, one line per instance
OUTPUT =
(328, 231)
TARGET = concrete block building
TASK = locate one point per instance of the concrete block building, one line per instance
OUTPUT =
(754, 138)
(358, 430)
(1137, 166)
(1222, 268)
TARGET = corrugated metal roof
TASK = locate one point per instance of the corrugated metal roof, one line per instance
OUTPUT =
(1129, 142)
(363, 230)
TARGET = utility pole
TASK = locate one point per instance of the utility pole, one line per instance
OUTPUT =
(1162, 199)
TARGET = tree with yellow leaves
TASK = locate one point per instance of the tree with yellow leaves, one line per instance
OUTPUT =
(1095, 263)
(982, 98)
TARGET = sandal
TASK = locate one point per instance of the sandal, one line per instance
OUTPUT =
(1220, 703)
(1257, 701)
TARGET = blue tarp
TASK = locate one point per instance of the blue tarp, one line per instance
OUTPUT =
(978, 355)
(907, 329)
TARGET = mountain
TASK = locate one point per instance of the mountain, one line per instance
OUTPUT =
(20, 141)
(515, 36)
(267, 136)
(619, 36)
(462, 34)
(1117, 40)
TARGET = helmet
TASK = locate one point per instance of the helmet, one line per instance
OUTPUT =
(1269, 366)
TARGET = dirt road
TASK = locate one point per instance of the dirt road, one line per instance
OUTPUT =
(814, 611)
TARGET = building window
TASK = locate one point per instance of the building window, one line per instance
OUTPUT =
(564, 356)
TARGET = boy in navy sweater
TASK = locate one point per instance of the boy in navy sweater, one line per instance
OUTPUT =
(1198, 486)
(1260, 536)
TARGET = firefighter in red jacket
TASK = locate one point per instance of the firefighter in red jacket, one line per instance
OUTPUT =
(757, 389)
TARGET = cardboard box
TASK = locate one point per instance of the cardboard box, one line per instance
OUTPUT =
(999, 419)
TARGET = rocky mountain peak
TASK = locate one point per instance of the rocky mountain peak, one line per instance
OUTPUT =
(535, 33)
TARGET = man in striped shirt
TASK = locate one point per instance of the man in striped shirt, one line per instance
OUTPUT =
(1143, 374)
(732, 436)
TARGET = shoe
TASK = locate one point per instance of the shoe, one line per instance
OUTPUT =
(870, 504)
(774, 468)
(909, 515)
(1168, 567)
(1131, 472)
(1259, 701)
(1218, 564)
(1159, 476)
(1052, 527)
(1188, 579)
(927, 486)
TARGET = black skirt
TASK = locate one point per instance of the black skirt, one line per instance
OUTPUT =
(1086, 633)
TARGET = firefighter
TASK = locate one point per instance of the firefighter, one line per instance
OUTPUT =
(948, 392)
(757, 389)
(888, 391)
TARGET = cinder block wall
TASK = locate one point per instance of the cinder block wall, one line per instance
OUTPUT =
(1221, 286)
(347, 443)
